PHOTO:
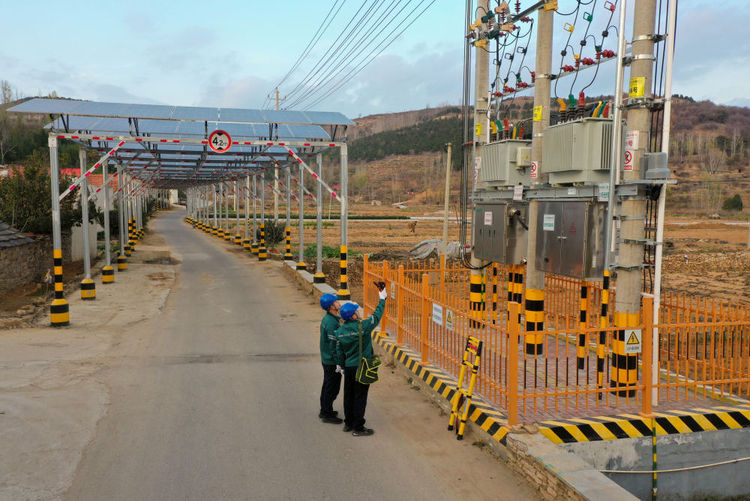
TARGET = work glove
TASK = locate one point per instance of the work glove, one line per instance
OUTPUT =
(382, 294)
(339, 369)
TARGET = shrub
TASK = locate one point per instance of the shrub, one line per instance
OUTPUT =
(733, 203)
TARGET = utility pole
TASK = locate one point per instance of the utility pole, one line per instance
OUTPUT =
(534, 307)
(624, 371)
(481, 127)
(276, 168)
(447, 197)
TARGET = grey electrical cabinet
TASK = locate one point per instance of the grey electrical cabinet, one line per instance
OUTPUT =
(500, 232)
(571, 238)
(506, 163)
(578, 152)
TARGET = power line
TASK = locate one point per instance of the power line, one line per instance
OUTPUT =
(311, 44)
(357, 70)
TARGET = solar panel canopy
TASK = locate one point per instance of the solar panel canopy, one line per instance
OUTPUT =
(163, 164)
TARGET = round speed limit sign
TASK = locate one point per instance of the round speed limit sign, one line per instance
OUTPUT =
(219, 141)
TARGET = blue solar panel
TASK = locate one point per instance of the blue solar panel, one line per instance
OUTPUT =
(190, 113)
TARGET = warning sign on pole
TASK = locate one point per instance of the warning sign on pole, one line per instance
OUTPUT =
(534, 170)
(633, 341)
(628, 161)
(219, 141)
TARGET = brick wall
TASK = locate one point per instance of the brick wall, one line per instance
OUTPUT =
(25, 264)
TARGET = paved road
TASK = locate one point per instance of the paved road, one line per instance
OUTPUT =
(216, 398)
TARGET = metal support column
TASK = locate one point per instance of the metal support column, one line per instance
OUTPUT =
(246, 240)
(88, 288)
(262, 251)
(237, 237)
(288, 230)
(59, 310)
(108, 272)
(301, 253)
(254, 247)
(122, 260)
(319, 277)
(343, 292)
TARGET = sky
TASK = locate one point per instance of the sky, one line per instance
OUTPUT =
(232, 53)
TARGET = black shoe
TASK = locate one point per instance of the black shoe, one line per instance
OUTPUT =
(321, 415)
(347, 428)
(364, 432)
(332, 420)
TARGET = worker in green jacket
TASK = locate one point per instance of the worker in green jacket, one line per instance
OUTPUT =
(331, 373)
(355, 393)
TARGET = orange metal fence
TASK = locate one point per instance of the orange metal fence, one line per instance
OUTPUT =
(704, 347)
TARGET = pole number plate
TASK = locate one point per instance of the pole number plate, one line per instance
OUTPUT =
(219, 141)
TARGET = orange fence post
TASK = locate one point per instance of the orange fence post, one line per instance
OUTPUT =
(511, 365)
(384, 278)
(400, 306)
(647, 355)
(442, 278)
(424, 325)
(365, 280)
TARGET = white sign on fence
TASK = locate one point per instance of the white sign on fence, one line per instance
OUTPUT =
(437, 314)
(549, 222)
(633, 341)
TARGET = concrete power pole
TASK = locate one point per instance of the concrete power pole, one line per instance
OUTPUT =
(624, 371)
(481, 129)
(534, 308)
(276, 168)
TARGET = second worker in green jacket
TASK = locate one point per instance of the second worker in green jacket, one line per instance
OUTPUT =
(355, 393)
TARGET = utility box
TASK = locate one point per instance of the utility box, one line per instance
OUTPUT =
(500, 232)
(506, 163)
(571, 239)
(578, 152)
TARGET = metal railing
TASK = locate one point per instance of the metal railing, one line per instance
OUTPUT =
(704, 347)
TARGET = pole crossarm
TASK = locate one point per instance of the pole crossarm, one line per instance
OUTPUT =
(307, 192)
(314, 174)
(195, 140)
(92, 169)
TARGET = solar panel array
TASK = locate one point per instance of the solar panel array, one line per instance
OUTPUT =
(187, 164)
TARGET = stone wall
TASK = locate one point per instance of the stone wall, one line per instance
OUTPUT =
(25, 264)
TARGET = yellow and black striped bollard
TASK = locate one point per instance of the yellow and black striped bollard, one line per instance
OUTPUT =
(476, 298)
(288, 254)
(122, 263)
(534, 320)
(246, 244)
(237, 239)
(343, 292)
(262, 251)
(624, 371)
(603, 324)
(228, 236)
(108, 275)
(581, 350)
(59, 310)
(88, 289)
(319, 278)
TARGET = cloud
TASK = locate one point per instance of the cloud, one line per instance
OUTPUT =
(116, 94)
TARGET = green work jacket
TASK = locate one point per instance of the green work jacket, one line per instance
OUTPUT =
(347, 349)
(328, 327)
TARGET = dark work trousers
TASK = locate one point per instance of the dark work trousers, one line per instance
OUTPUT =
(355, 399)
(330, 390)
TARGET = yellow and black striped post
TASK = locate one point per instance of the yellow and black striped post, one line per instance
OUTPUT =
(220, 233)
(246, 244)
(494, 293)
(262, 251)
(581, 351)
(476, 297)
(534, 319)
(237, 239)
(122, 263)
(131, 236)
(624, 371)
(59, 310)
(88, 289)
(319, 278)
(108, 275)
(288, 254)
(343, 292)
(603, 324)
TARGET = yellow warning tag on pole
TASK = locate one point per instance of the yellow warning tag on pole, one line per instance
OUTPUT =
(637, 87)
(537, 113)
(550, 5)
(478, 129)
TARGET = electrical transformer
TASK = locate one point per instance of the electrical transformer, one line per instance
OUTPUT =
(506, 163)
(578, 152)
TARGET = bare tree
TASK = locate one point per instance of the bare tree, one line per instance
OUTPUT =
(713, 159)
(6, 92)
(6, 143)
(737, 143)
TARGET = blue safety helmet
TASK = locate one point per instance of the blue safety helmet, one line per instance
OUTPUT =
(326, 300)
(348, 310)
